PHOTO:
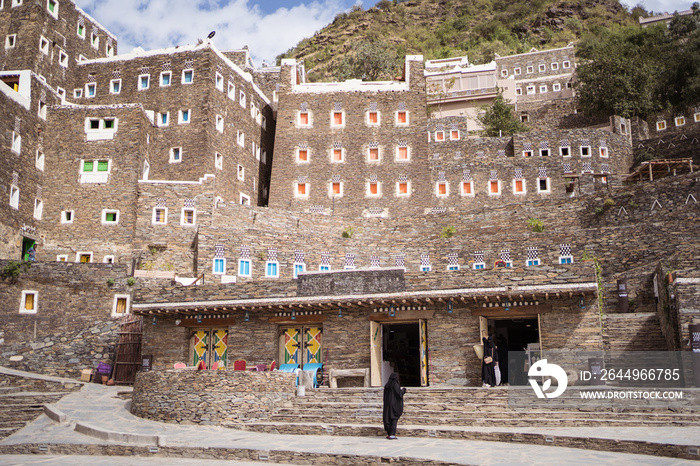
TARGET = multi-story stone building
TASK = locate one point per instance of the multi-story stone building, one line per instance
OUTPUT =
(228, 203)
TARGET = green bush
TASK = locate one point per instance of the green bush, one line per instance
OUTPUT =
(448, 232)
(12, 270)
(130, 281)
(349, 232)
(110, 282)
(536, 224)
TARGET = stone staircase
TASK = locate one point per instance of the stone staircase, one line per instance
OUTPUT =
(640, 331)
(22, 400)
(454, 408)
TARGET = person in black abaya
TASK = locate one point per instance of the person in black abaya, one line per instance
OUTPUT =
(488, 373)
(393, 405)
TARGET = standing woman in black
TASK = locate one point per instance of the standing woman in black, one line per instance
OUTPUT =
(393, 405)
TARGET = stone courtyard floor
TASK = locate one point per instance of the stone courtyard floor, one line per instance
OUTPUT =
(111, 435)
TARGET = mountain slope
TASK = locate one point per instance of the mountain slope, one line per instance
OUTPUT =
(443, 28)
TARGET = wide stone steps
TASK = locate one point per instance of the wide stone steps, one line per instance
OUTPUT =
(17, 409)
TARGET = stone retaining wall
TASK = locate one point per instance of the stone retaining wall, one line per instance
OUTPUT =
(211, 397)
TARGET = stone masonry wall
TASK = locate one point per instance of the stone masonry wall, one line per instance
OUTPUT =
(72, 328)
(211, 397)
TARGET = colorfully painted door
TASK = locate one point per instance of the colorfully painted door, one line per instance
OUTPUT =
(200, 347)
(423, 329)
(312, 342)
(289, 346)
(210, 346)
(219, 347)
(375, 339)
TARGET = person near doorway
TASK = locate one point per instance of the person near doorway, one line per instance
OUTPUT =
(393, 405)
(488, 371)
(31, 253)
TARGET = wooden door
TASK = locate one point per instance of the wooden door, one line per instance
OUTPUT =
(312, 345)
(423, 329)
(289, 346)
(200, 347)
(219, 349)
(209, 346)
(376, 341)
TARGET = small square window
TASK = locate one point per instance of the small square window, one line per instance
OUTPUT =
(110, 217)
(402, 153)
(299, 268)
(302, 155)
(337, 155)
(336, 189)
(62, 258)
(109, 50)
(52, 6)
(527, 153)
(543, 89)
(77, 93)
(16, 143)
(603, 151)
(403, 189)
(556, 87)
(542, 185)
(121, 305)
(504, 73)
(530, 90)
(530, 69)
(244, 267)
(144, 81)
(220, 123)
(63, 59)
(453, 267)
(516, 71)
(532, 262)
(219, 82)
(95, 40)
(163, 119)
(160, 215)
(555, 66)
(324, 268)
(183, 117)
(524, 118)
(479, 266)
(585, 151)
(494, 187)
(83, 257)
(11, 41)
(338, 119)
(518, 91)
(39, 162)
(373, 154)
(38, 208)
(696, 118)
(544, 152)
(14, 197)
(165, 78)
(231, 91)
(29, 303)
(219, 266)
(564, 151)
(61, 93)
(680, 121)
(467, 188)
(241, 173)
(176, 154)
(242, 99)
(44, 45)
(302, 189)
(81, 31)
(108, 259)
(566, 64)
(439, 136)
(373, 189)
(304, 119)
(67, 216)
(660, 125)
(519, 186)
(272, 269)
(373, 118)
(442, 189)
(218, 161)
(188, 216)
(90, 90)
(402, 118)
(240, 138)
(42, 110)
(115, 86)
(566, 259)
(542, 68)
(187, 76)
(454, 135)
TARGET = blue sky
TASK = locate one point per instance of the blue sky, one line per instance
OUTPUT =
(268, 27)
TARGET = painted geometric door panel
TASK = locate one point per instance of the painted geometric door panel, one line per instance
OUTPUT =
(209, 346)
(313, 344)
(290, 346)
(301, 345)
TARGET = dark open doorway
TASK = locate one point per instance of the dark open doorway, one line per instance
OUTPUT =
(514, 336)
(401, 352)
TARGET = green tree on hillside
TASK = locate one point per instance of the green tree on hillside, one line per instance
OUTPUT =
(369, 61)
(498, 118)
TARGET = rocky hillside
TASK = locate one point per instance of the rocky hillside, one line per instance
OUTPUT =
(444, 28)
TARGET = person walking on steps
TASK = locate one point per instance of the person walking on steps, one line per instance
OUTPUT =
(393, 405)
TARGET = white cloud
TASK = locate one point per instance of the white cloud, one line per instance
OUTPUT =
(154, 24)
